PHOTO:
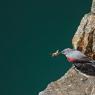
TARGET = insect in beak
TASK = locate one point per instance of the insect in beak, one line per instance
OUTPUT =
(55, 53)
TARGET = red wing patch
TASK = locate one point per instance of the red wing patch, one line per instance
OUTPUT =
(71, 59)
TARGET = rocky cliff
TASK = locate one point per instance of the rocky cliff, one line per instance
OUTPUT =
(74, 82)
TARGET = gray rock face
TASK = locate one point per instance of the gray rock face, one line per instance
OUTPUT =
(84, 38)
(93, 7)
(74, 82)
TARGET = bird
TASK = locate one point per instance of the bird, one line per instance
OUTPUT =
(76, 56)
(81, 62)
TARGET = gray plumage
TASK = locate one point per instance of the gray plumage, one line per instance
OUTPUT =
(82, 62)
(76, 55)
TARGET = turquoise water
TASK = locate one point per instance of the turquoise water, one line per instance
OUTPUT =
(30, 31)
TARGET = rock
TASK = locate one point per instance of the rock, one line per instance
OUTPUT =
(93, 7)
(74, 82)
(84, 38)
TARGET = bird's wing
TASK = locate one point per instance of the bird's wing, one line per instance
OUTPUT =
(91, 64)
(80, 56)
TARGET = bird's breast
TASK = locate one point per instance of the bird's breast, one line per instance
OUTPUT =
(71, 59)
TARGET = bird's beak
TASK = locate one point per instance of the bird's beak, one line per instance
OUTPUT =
(62, 52)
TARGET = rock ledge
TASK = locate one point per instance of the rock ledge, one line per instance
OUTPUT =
(72, 83)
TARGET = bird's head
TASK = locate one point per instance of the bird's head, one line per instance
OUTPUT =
(66, 51)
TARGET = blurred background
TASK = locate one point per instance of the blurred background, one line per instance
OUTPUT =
(30, 30)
